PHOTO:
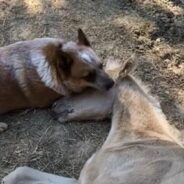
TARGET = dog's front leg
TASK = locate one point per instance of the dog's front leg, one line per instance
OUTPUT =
(26, 175)
(90, 105)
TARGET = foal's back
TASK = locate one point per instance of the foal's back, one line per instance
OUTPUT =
(141, 162)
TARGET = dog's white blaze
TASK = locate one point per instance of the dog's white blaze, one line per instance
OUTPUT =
(43, 68)
(86, 57)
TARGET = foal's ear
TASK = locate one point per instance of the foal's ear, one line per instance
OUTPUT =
(82, 38)
(128, 67)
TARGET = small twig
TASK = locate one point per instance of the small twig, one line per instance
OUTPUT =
(36, 148)
(4, 22)
(3, 41)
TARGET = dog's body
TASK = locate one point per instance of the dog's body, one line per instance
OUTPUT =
(141, 148)
(33, 74)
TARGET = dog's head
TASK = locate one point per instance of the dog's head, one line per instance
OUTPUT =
(77, 65)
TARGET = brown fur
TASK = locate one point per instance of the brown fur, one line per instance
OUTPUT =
(20, 85)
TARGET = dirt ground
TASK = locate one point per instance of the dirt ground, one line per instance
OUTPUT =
(154, 30)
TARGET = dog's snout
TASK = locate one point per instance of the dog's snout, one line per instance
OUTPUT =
(109, 84)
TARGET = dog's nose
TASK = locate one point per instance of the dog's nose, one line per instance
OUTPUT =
(109, 84)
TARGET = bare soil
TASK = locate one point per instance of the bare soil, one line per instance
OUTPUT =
(154, 30)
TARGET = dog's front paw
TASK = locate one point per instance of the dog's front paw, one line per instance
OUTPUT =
(61, 110)
(64, 115)
(3, 127)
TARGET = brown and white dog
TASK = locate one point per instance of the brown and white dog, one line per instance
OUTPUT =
(141, 148)
(35, 73)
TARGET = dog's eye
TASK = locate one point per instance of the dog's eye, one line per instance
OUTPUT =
(101, 65)
(90, 77)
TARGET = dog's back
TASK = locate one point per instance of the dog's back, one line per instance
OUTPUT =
(20, 83)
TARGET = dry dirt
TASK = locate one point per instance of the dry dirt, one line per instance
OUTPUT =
(154, 30)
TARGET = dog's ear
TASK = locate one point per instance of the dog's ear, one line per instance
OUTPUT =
(65, 63)
(58, 59)
(82, 39)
